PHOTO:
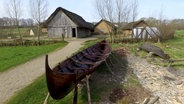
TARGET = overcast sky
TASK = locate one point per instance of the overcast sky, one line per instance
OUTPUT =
(85, 8)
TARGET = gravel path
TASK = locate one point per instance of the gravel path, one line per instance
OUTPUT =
(18, 77)
(166, 85)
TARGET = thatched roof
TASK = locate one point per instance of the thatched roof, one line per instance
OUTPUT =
(78, 20)
(107, 22)
(132, 25)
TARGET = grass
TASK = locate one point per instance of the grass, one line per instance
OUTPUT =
(27, 95)
(12, 56)
(174, 48)
(36, 92)
(13, 32)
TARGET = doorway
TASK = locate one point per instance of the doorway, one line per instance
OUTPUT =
(73, 32)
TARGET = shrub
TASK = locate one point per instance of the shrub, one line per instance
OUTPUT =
(167, 30)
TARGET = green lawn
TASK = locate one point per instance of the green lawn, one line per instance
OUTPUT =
(12, 56)
(36, 92)
(13, 32)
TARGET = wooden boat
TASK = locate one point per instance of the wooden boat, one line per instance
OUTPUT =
(63, 78)
(156, 50)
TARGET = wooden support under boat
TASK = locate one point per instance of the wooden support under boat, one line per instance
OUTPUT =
(46, 99)
(75, 94)
(88, 89)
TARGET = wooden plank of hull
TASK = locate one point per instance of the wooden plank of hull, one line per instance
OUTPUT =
(59, 84)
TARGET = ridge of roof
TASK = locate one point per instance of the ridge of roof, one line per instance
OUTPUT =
(133, 24)
(108, 22)
(78, 20)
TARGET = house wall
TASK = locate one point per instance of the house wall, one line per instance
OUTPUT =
(141, 24)
(129, 32)
(102, 28)
(61, 24)
(44, 30)
(82, 32)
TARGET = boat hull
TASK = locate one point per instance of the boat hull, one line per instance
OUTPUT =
(62, 79)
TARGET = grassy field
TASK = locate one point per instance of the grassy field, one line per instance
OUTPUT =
(36, 92)
(12, 56)
(174, 48)
(13, 32)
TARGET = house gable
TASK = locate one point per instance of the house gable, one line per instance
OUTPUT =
(103, 27)
(65, 23)
(61, 20)
(140, 29)
(132, 25)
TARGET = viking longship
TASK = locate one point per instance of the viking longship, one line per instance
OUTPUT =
(63, 77)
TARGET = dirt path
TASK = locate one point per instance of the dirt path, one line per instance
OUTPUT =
(18, 77)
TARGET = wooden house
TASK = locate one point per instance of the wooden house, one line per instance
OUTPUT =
(140, 30)
(104, 27)
(65, 23)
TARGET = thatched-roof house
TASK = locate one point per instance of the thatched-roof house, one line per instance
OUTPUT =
(140, 30)
(127, 29)
(63, 22)
(104, 27)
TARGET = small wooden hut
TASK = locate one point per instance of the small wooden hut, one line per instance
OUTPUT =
(104, 27)
(63, 22)
(140, 30)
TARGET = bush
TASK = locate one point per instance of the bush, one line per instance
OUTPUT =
(167, 30)
(17, 42)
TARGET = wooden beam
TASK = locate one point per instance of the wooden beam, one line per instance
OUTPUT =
(46, 99)
(75, 94)
(88, 89)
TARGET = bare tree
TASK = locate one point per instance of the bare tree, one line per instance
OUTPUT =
(120, 11)
(105, 9)
(134, 11)
(15, 11)
(100, 9)
(166, 28)
(38, 9)
(115, 11)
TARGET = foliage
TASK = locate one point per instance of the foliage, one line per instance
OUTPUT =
(13, 32)
(11, 56)
(167, 30)
(16, 42)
